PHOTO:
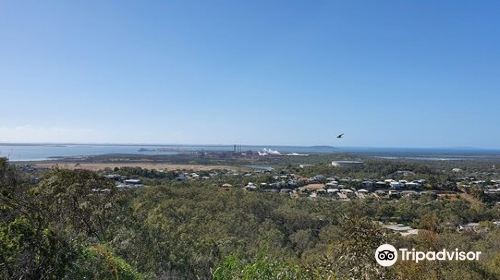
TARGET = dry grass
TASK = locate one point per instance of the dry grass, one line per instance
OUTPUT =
(475, 203)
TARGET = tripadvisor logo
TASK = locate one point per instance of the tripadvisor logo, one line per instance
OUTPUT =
(387, 255)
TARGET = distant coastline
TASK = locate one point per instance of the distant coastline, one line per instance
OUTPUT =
(51, 151)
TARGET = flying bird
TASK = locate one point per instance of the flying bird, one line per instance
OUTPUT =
(340, 135)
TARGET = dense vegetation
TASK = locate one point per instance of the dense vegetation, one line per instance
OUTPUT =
(78, 225)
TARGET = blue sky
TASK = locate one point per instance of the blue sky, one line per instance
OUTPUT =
(385, 73)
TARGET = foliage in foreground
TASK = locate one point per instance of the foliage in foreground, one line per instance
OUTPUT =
(263, 268)
(76, 225)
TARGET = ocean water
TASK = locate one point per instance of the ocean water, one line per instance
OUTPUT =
(25, 152)
(47, 152)
(32, 152)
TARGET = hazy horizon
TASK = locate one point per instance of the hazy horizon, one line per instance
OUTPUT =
(246, 144)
